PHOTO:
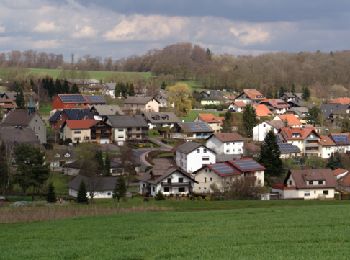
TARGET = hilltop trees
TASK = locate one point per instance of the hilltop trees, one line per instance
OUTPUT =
(270, 155)
(249, 120)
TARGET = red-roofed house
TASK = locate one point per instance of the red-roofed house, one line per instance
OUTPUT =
(305, 138)
(327, 146)
(237, 106)
(341, 100)
(290, 120)
(66, 101)
(79, 131)
(262, 110)
(215, 122)
(223, 174)
(249, 96)
(276, 106)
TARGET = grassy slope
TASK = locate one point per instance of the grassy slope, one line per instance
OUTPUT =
(312, 231)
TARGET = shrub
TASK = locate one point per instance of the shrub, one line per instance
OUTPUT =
(51, 195)
(159, 196)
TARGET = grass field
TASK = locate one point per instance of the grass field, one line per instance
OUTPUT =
(54, 73)
(192, 84)
(316, 230)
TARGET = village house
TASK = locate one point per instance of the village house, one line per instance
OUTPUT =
(226, 145)
(191, 156)
(68, 101)
(59, 156)
(301, 112)
(23, 118)
(126, 128)
(161, 119)
(341, 141)
(291, 97)
(97, 187)
(289, 120)
(250, 96)
(288, 150)
(106, 110)
(327, 147)
(13, 135)
(307, 184)
(212, 97)
(215, 122)
(192, 130)
(237, 106)
(60, 116)
(334, 111)
(173, 182)
(8, 101)
(162, 99)
(305, 138)
(341, 100)
(221, 175)
(108, 89)
(276, 106)
(261, 110)
(261, 130)
(77, 131)
(141, 104)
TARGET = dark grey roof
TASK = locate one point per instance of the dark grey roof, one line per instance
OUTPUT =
(195, 127)
(95, 183)
(108, 110)
(276, 124)
(137, 100)
(287, 148)
(161, 117)
(18, 135)
(18, 117)
(328, 109)
(168, 172)
(72, 114)
(127, 121)
(95, 99)
(188, 147)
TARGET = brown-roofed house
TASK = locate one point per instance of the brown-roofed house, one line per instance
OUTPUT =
(215, 122)
(250, 96)
(142, 104)
(229, 144)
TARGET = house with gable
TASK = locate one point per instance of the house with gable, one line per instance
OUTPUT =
(289, 120)
(341, 141)
(237, 106)
(60, 116)
(141, 104)
(228, 144)
(307, 184)
(261, 130)
(215, 122)
(276, 106)
(8, 101)
(250, 96)
(191, 156)
(327, 146)
(192, 130)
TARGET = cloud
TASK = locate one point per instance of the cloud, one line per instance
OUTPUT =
(84, 32)
(250, 34)
(146, 28)
(2, 28)
(46, 44)
(45, 27)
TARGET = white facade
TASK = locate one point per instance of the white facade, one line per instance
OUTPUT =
(235, 108)
(234, 147)
(152, 126)
(96, 195)
(306, 194)
(261, 130)
(205, 102)
(119, 135)
(326, 151)
(195, 160)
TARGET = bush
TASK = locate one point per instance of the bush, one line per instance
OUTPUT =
(51, 195)
(159, 196)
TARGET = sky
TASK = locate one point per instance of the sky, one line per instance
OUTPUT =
(121, 28)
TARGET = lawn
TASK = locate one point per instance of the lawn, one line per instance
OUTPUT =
(192, 84)
(316, 230)
(60, 182)
(45, 109)
(193, 114)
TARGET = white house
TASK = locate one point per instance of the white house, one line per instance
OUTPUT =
(142, 104)
(342, 142)
(172, 182)
(223, 174)
(109, 89)
(226, 143)
(326, 146)
(261, 130)
(96, 187)
(237, 106)
(307, 184)
(191, 156)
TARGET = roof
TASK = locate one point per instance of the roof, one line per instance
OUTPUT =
(239, 104)
(94, 184)
(301, 177)
(296, 133)
(72, 114)
(277, 124)
(210, 118)
(188, 147)
(18, 135)
(262, 110)
(195, 127)
(108, 110)
(223, 169)
(286, 148)
(161, 117)
(18, 117)
(341, 100)
(81, 99)
(228, 137)
(326, 141)
(95, 99)
(329, 109)
(127, 121)
(291, 120)
(253, 94)
(247, 165)
(276, 103)
(80, 124)
(341, 139)
(138, 100)
(156, 179)
(339, 171)
(110, 85)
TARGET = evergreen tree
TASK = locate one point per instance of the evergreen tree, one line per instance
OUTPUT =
(249, 120)
(20, 99)
(163, 85)
(227, 126)
(107, 165)
(334, 162)
(51, 194)
(306, 93)
(4, 169)
(131, 90)
(270, 155)
(120, 188)
(314, 116)
(75, 89)
(65, 87)
(99, 160)
(118, 90)
(82, 198)
(281, 91)
(58, 87)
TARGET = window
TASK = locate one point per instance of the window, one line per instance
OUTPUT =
(166, 189)
(154, 189)
(181, 180)
(205, 150)
(290, 182)
(169, 180)
(320, 182)
(205, 179)
(182, 189)
(205, 158)
(144, 185)
(77, 132)
(311, 182)
(227, 151)
(198, 151)
(211, 179)
(307, 194)
(325, 192)
(109, 194)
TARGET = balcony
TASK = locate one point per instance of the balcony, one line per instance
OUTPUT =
(175, 184)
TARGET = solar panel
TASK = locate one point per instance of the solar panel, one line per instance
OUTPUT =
(96, 99)
(246, 165)
(72, 98)
(222, 168)
(340, 139)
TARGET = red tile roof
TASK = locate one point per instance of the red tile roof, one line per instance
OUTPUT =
(326, 141)
(239, 104)
(253, 94)
(276, 103)
(341, 100)
(210, 118)
(339, 171)
(262, 110)
(291, 119)
(228, 137)
(80, 124)
(296, 133)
